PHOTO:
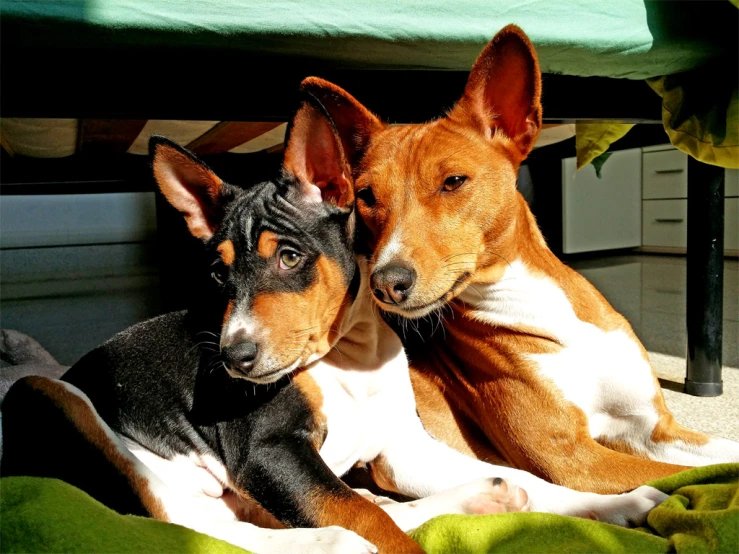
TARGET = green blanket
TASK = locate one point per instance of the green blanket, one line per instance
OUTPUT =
(47, 515)
(701, 515)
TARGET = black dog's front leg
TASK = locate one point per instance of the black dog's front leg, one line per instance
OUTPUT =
(287, 476)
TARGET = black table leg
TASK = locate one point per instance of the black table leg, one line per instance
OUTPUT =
(705, 282)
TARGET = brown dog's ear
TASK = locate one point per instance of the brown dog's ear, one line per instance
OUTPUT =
(315, 156)
(504, 89)
(188, 185)
(354, 123)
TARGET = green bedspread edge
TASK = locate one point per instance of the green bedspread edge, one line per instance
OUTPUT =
(630, 39)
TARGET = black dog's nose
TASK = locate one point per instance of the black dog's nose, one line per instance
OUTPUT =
(393, 283)
(241, 355)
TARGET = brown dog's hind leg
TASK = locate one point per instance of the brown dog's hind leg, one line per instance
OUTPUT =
(562, 450)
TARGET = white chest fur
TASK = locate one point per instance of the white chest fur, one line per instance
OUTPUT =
(601, 372)
(362, 407)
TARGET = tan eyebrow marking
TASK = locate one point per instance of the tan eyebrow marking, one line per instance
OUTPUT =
(227, 252)
(267, 244)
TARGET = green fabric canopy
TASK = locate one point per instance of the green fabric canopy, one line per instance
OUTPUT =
(630, 38)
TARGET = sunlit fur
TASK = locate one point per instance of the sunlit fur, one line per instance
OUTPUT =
(469, 224)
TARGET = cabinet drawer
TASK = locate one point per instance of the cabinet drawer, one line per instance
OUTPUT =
(665, 223)
(732, 182)
(664, 174)
(731, 224)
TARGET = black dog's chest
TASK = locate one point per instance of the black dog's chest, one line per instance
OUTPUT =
(154, 385)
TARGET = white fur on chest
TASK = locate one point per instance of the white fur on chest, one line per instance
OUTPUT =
(601, 372)
(362, 407)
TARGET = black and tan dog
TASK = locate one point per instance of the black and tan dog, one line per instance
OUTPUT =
(280, 379)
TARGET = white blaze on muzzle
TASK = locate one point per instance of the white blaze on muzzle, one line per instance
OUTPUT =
(241, 326)
(390, 251)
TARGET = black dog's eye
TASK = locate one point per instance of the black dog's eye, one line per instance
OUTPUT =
(289, 259)
(367, 196)
(454, 182)
(219, 273)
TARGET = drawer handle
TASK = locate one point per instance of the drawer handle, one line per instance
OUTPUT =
(666, 171)
(669, 220)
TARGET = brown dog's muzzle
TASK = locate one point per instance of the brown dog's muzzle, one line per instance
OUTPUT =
(393, 283)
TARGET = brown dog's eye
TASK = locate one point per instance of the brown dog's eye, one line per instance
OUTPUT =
(289, 259)
(367, 196)
(454, 182)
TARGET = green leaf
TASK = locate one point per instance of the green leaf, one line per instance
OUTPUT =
(599, 161)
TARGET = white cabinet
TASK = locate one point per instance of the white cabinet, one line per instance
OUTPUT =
(731, 183)
(665, 195)
(664, 175)
(641, 199)
(731, 224)
(665, 223)
(605, 213)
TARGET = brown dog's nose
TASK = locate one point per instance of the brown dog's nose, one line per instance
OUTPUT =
(393, 283)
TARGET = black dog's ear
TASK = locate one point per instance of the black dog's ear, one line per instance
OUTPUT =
(189, 186)
(315, 156)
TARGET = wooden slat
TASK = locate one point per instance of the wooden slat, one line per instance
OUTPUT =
(7, 150)
(276, 148)
(228, 135)
(107, 136)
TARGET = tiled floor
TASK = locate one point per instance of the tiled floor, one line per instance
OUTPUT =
(650, 291)
(718, 416)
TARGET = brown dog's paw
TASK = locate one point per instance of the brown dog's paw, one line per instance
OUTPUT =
(497, 496)
(493, 496)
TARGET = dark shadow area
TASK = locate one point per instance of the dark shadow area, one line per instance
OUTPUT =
(671, 385)
(710, 26)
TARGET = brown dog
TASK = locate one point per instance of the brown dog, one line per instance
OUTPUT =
(534, 364)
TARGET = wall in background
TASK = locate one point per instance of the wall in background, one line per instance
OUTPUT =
(73, 219)
(77, 268)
